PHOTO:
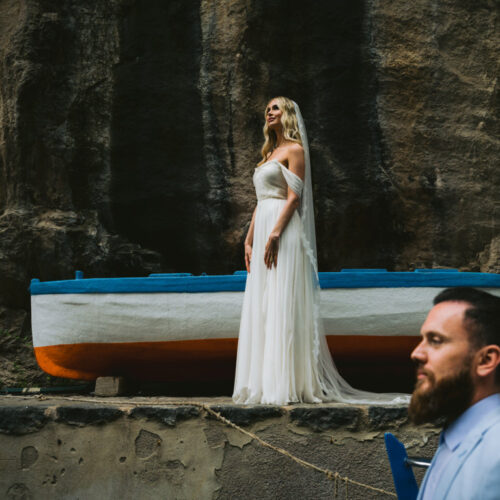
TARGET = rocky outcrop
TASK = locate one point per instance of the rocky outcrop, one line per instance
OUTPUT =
(438, 108)
(129, 132)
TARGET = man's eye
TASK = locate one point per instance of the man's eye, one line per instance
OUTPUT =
(435, 340)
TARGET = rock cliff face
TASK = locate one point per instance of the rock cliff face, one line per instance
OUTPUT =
(129, 132)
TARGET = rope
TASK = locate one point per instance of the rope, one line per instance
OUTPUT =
(331, 475)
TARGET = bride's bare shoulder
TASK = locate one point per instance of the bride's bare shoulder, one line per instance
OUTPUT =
(296, 150)
(295, 146)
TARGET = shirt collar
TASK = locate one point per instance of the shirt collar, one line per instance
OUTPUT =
(454, 434)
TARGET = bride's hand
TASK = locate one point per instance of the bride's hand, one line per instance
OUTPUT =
(271, 251)
(248, 256)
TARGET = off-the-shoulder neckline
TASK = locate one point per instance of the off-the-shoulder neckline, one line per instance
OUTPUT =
(269, 161)
(281, 164)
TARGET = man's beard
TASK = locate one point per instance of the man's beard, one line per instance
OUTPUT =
(446, 399)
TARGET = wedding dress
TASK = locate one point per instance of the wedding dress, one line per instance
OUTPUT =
(283, 356)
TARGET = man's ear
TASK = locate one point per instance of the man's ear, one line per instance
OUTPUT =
(488, 360)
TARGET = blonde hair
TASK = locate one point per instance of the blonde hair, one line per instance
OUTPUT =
(288, 122)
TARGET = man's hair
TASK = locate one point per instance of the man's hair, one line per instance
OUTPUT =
(481, 319)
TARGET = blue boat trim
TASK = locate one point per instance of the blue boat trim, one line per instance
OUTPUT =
(186, 283)
(436, 270)
(169, 275)
(366, 270)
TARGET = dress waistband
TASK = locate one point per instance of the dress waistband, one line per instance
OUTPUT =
(271, 197)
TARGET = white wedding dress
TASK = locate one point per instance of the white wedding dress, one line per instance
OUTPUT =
(282, 353)
(275, 347)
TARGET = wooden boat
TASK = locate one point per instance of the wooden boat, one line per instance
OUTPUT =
(171, 327)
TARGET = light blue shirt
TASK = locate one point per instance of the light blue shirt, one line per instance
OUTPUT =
(452, 437)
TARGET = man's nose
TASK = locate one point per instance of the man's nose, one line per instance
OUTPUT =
(418, 354)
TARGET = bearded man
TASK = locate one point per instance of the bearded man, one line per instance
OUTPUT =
(458, 383)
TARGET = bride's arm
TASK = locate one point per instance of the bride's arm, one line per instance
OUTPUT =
(249, 242)
(297, 166)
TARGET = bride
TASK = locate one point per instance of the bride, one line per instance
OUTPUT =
(283, 356)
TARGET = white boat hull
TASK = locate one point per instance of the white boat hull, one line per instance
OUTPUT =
(159, 317)
(174, 327)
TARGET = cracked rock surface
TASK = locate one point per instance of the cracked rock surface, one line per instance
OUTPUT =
(129, 132)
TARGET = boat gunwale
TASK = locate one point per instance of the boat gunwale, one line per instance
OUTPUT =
(185, 283)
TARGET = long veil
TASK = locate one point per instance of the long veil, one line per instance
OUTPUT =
(334, 387)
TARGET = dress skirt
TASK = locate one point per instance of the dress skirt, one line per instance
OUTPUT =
(275, 363)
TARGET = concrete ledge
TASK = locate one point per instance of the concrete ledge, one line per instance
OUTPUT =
(82, 415)
(17, 417)
(22, 419)
(323, 418)
(90, 447)
(164, 415)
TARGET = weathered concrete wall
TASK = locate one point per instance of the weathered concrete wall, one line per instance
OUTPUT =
(148, 448)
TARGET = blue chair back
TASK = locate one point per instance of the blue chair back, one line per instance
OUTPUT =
(402, 473)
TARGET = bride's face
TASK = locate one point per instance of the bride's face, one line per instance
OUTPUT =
(273, 114)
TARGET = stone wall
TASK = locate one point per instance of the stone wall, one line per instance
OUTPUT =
(129, 132)
(155, 449)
